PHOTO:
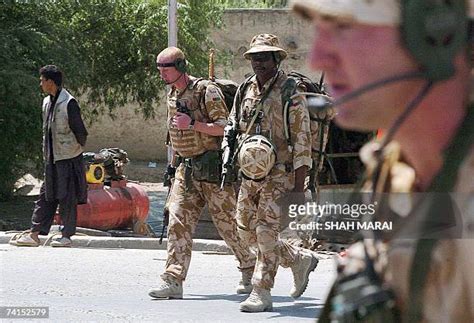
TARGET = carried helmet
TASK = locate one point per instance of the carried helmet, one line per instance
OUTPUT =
(256, 157)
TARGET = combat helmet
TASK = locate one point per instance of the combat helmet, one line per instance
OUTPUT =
(256, 157)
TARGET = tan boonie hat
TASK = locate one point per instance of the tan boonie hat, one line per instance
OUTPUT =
(372, 12)
(265, 43)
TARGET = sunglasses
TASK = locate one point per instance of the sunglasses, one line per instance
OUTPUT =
(261, 57)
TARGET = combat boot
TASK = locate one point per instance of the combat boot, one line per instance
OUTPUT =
(245, 284)
(301, 270)
(170, 288)
(259, 300)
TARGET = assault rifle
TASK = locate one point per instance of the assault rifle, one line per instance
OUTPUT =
(228, 146)
(183, 108)
(167, 182)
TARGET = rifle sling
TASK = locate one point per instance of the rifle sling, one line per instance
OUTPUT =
(237, 104)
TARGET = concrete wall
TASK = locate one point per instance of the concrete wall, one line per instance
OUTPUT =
(144, 139)
(241, 25)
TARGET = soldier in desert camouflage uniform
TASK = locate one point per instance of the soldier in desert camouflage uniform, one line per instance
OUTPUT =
(258, 208)
(195, 135)
(422, 270)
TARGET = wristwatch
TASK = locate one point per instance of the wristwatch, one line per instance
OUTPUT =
(191, 124)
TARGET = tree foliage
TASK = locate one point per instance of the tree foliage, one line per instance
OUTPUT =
(107, 51)
(253, 3)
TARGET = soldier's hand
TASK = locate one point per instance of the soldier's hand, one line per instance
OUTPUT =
(181, 121)
(298, 197)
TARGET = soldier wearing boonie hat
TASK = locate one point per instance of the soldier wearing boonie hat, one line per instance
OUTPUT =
(265, 43)
(404, 66)
(266, 177)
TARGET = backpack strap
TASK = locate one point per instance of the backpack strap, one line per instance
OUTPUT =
(287, 90)
(201, 92)
(239, 94)
(238, 101)
(260, 104)
(203, 83)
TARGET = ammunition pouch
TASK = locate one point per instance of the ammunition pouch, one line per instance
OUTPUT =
(232, 174)
(207, 167)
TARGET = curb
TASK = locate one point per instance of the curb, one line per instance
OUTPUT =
(132, 243)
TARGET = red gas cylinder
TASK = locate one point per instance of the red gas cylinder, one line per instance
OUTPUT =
(116, 207)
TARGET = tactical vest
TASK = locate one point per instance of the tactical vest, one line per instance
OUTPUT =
(271, 123)
(190, 143)
(64, 142)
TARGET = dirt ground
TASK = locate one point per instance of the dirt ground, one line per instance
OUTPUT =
(16, 214)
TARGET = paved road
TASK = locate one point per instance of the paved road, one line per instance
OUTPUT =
(82, 284)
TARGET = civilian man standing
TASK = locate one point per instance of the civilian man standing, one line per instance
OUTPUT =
(64, 136)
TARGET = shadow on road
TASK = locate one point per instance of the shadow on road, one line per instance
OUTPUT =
(303, 310)
(297, 309)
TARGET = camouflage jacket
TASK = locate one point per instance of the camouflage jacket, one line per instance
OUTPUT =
(272, 125)
(448, 295)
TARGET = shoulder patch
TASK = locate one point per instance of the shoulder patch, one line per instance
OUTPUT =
(212, 90)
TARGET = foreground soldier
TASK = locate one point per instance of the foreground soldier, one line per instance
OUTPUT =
(196, 118)
(64, 136)
(362, 44)
(270, 170)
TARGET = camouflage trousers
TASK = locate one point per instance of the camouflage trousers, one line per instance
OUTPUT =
(258, 220)
(186, 204)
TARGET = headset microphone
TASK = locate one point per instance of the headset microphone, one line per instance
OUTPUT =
(172, 82)
(319, 103)
(433, 31)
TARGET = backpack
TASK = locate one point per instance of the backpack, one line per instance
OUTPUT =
(319, 125)
(227, 87)
(300, 80)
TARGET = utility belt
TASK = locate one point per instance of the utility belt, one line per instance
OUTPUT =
(205, 167)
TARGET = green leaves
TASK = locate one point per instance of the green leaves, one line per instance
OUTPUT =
(253, 3)
(107, 51)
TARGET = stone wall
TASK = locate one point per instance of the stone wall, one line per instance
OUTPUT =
(241, 25)
(144, 139)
